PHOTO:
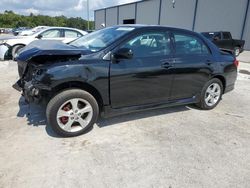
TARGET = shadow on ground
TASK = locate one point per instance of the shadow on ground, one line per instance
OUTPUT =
(35, 115)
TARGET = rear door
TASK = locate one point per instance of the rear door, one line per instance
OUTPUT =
(193, 65)
(146, 78)
(70, 35)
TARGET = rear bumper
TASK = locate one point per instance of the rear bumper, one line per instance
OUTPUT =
(229, 88)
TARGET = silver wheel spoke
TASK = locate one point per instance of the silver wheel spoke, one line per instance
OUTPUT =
(63, 113)
(74, 103)
(217, 93)
(209, 90)
(214, 88)
(83, 123)
(68, 125)
(86, 109)
(208, 99)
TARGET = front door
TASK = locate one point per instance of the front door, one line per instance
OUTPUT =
(52, 34)
(146, 78)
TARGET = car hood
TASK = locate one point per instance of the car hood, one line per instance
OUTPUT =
(49, 49)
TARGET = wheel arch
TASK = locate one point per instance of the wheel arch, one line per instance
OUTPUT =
(12, 47)
(19, 44)
(79, 85)
(222, 79)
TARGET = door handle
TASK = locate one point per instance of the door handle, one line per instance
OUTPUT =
(166, 65)
(208, 62)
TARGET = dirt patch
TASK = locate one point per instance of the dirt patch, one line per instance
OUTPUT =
(245, 72)
(3, 98)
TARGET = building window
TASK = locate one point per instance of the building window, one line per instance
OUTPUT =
(130, 21)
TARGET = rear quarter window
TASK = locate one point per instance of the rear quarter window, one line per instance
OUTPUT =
(189, 45)
(72, 34)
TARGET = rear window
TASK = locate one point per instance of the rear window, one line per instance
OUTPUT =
(212, 35)
(72, 34)
(226, 36)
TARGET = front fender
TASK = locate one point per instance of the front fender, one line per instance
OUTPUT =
(94, 74)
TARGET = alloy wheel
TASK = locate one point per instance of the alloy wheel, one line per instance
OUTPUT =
(74, 115)
(212, 95)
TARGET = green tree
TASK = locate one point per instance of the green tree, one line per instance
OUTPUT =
(9, 19)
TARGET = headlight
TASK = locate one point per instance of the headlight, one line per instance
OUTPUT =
(38, 72)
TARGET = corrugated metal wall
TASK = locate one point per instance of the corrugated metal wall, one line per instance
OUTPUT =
(148, 12)
(197, 15)
(221, 15)
(246, 34)
(111, 15)
(126, 12)
(181, 16)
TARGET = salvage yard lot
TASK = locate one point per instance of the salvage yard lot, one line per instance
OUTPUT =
(172, 147)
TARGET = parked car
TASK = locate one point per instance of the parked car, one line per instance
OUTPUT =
(11, 45)
(16, 31)
(224, 40)
(31, 31)
(123, 69)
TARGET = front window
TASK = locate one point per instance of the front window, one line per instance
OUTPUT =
(101, 39)
(150, 44)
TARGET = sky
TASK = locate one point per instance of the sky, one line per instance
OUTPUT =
(68, 8)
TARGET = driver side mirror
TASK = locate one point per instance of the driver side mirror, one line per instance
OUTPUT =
(39, 36)
(123, 53)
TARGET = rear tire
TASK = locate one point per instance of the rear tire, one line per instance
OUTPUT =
(211, 94)
(72, 112)
(15, 50)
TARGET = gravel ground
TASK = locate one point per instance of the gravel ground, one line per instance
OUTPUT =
(172, 147)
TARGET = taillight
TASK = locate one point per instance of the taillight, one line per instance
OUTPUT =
(236, 62)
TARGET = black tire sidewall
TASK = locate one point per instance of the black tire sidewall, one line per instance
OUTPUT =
(56, 102)
(202, 104)
(15, 49)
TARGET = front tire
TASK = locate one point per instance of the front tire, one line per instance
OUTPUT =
(211, 94)
(72, 112)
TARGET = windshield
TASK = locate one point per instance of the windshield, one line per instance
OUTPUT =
(99, 40)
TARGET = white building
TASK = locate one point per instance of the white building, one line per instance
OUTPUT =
(197, 15)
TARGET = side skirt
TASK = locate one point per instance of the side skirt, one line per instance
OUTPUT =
(108, 111)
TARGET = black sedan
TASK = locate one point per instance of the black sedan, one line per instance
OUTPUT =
(122, 69)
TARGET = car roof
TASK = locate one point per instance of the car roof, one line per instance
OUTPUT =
(216, 32)
(141, 26)
(70, 28)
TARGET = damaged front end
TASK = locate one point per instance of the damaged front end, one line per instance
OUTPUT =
(33, 62)
(31, 88)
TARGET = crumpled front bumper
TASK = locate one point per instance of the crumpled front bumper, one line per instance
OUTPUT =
(32, 92)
